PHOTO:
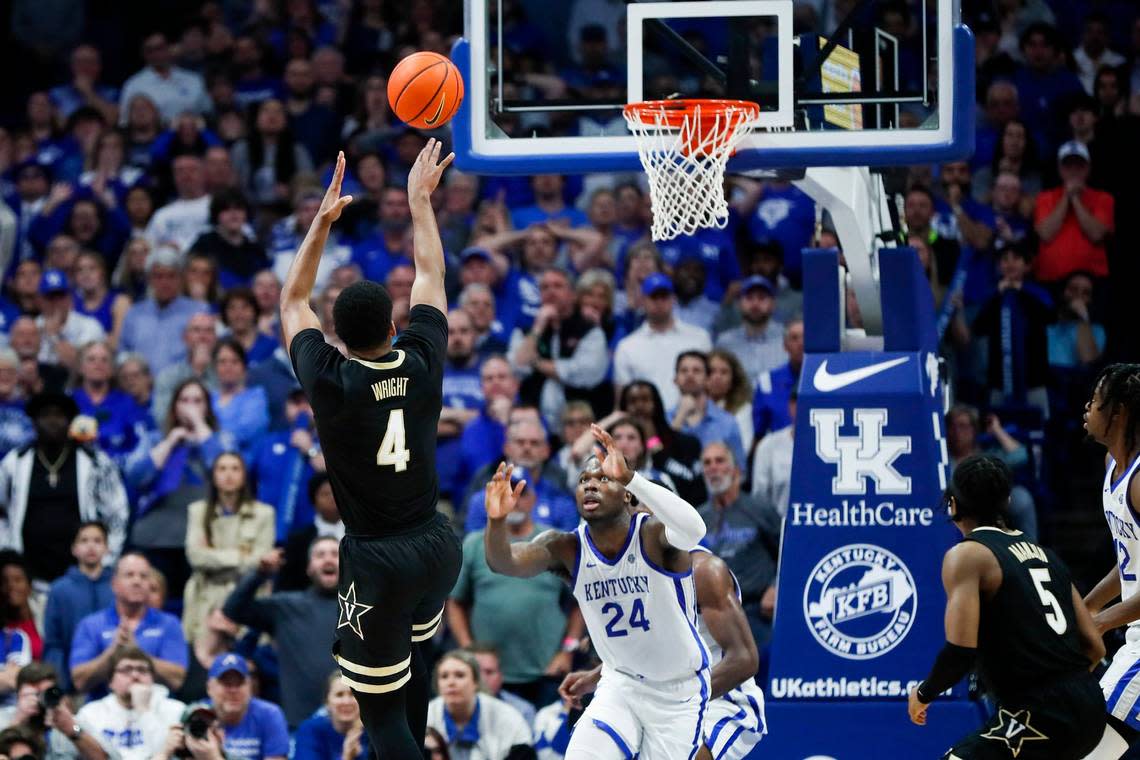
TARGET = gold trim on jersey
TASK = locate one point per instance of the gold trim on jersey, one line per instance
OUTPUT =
(363, 670)
(368, 688)
(999, 530)
(381, 365)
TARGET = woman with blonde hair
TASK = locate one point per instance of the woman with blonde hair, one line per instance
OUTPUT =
(227, 533)
(486, 728)
(728, 387)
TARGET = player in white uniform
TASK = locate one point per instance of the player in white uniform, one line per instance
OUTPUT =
(1112, 418)
(632, 577)
(734, 721)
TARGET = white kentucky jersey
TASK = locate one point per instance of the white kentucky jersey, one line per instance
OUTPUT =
(1125, 529)
(641, 617)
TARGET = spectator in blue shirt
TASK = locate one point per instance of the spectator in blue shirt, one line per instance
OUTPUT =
(483, 437)
(462, 398)
(1075, 341)
(549, 204)
(240, 314)
(83, 590)
(696, 413)
(377, 250)
(242, 409)
(491, 336)
(714, 249)
(153, 327)
(957, 215)
(774, 388)
(284, 461)
(15, 425)
(254, 729)
(784, 214)
(128, 621)
(84, 88)
(334, 733)
(119, 417)
(1043, 81)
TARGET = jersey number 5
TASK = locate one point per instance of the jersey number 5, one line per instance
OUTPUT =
(393, 449)
(1053, 616)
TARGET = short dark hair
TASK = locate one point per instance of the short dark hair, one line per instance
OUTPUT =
(922, 189)
(98, 524)
(237, 294)
(1045, 30)
(362, 315)
(13, 735)
(233, 345)
(315, 482)
(130, 653)
(700, 356)
(227, 199)
(980, 487)
(34, 672)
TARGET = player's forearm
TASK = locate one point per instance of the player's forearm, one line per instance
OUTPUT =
(427, 246)
(1118, 615)
(950, 667)
(302, 275)
(1103, 592)
(500, 552)
(735, 668)
(684, 527)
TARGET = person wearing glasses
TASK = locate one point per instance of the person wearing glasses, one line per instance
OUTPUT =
(132, 721)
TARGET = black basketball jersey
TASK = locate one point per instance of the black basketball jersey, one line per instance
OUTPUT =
(377, 423)
(1027, 636)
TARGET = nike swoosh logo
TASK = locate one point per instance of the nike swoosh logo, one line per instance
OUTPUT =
(826, 381)
(438, 111)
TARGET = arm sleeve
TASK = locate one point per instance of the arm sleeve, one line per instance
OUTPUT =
(587, 366)
(951, 665)
(684, 528)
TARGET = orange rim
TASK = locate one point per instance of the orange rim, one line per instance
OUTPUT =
(673, 113)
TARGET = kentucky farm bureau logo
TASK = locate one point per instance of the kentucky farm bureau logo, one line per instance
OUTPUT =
(859, 601)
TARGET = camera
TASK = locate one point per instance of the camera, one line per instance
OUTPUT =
(196, 722)
(198, 726)
(50, 698)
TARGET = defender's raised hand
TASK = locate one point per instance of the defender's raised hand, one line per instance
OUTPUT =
(333, 203)
(500, 498)
(426, 171)
(613, 461)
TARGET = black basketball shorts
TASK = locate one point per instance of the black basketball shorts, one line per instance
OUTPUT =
(1061, 722)
(392, 593)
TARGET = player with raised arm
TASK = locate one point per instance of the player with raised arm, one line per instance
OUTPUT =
(1012, 607)
(632, 577)
(1112, 418)
(376, 413)
(734, 721)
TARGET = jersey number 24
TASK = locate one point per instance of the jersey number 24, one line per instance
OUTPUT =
(394, 449)
(637, 619)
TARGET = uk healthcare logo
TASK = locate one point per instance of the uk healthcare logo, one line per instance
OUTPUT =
(859, 601)
(867, 455)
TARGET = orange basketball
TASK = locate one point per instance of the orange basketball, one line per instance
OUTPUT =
(425, 90)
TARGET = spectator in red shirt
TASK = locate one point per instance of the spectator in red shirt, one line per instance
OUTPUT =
(1073, 220)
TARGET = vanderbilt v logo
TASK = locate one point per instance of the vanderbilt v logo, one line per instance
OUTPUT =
(1014, 730)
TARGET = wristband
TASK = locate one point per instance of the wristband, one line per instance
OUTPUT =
(654, 441)
(570, 644)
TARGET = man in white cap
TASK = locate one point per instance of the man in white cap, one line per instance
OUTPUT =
(1073, 220)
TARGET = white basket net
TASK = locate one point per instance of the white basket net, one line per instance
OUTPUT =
(684, 155)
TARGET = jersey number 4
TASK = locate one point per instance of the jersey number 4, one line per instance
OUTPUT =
(1053, 614)
(393, 449)
(637, 618)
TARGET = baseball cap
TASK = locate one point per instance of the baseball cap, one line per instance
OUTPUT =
(757, 281)
(655, 283)
(53, 281)
(1073, 148)
(224, 663)
(474, 252)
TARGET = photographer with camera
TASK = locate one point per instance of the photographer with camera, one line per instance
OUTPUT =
(253, 728)
(134, 718)
(196, 736)
(43, 711)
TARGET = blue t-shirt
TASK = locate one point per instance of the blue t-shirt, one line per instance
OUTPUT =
(1062, 342)
(282, 473)
(261, 733)
(525, 217)
(714, 248)
(785, 215)
(316, 739)
(461, 390)
(159, 634)
(119, 417)
(553, 506)
(374, 259)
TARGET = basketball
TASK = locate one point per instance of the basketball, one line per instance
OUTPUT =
(425, 90)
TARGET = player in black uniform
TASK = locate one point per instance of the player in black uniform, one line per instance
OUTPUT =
(376, 413)
(1010, 604)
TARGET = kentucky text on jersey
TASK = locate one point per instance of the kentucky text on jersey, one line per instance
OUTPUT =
(1119, 528)
(636, 584)
(1025, 551)
(389, 387)
(859, 513)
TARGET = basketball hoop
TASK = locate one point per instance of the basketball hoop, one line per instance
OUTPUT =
(684, 146)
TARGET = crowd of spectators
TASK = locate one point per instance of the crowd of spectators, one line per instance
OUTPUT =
(169, 534)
